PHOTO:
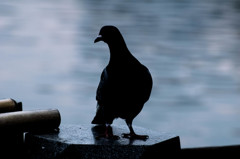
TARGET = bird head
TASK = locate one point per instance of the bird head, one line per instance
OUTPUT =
(110, 35)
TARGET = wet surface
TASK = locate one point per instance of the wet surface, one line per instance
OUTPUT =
(86, 135)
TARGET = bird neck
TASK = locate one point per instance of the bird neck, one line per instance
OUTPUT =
(118, 53)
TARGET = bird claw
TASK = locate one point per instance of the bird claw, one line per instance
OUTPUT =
(135, 136)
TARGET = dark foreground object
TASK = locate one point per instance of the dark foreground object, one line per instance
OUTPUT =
(229, 152)
(79, 141)
(14, 124)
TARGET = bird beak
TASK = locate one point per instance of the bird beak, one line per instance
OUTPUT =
(99, 38)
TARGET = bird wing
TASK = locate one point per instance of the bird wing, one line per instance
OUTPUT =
(119, 91)
(102, 87)
(147, 84)
(100, 96)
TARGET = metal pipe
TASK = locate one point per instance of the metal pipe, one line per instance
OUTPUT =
(9, 105)
(26, 121)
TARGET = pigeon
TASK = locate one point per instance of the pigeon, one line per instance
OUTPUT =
(125, 85)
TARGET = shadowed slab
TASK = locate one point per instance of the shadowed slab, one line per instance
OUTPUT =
(80, 141)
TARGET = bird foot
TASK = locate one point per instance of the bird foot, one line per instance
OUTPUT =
(135, 136)
(107, 134)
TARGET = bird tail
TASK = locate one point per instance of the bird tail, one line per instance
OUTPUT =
(99, 117)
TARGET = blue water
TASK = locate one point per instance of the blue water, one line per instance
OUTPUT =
(192, 48)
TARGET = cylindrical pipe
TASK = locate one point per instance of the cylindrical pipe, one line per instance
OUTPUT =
(30, 120)
(9, 105)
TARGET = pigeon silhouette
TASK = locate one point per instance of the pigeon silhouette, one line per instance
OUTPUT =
(125, 85)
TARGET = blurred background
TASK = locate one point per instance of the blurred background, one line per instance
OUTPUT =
(192, 48)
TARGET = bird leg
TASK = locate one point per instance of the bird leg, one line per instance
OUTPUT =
(132, 135)
(108, 133)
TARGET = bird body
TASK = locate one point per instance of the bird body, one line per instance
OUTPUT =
(125, 84)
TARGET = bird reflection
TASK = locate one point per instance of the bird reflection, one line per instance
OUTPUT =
(99, 130)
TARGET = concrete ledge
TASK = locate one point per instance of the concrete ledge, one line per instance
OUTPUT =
(78, 141)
